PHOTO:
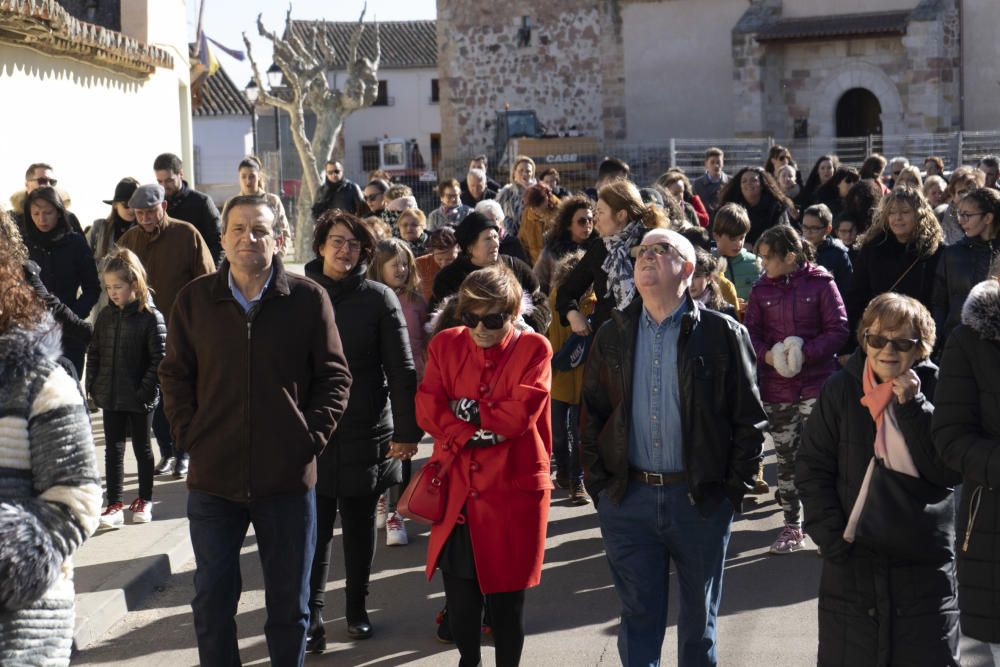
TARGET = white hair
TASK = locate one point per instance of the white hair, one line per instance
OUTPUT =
(477, 173)
(902, 161)
(491, 209)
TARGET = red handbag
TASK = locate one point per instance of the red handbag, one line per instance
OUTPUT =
(426, 495)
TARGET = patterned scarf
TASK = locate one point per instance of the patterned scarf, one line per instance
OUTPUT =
(618, 264)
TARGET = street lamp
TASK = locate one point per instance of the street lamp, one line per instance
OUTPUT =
(253, 94)
(275, 77)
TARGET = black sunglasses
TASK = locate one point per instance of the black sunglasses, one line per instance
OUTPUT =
(899, 344)
(373, 197)
(493, 321)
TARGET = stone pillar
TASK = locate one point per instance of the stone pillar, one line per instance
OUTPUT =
(931, 81)
(751, 70)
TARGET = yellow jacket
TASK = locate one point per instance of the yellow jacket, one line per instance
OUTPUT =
(567, 385)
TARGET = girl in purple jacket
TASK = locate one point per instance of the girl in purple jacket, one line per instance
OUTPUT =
(797, 323)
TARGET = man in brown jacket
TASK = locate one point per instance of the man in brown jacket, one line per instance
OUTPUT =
(254, 382)
(173, 253)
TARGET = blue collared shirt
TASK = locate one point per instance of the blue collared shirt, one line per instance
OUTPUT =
(654, 441)
(247, 304)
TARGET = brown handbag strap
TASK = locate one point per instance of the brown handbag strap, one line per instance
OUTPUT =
(494, 380)
(903, 274)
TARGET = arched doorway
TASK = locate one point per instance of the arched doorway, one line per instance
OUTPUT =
(858, 114)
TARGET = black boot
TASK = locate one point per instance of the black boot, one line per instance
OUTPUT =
(358, 625)
(316, 634)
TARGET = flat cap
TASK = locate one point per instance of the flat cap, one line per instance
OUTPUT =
(147, 196)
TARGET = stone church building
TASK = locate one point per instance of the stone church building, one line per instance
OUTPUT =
(641, 71)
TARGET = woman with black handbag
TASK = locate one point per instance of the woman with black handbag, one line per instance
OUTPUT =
(485, 399)
(878, 502)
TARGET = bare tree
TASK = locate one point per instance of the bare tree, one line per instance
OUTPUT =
(304, 64)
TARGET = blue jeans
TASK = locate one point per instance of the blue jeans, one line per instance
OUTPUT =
(566, 440)
(651, 527)
(285, 527)
(161, 431)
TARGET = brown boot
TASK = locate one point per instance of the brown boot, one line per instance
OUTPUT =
(760, 487)
(578, 495)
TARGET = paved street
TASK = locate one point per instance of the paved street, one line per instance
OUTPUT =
(768, 616)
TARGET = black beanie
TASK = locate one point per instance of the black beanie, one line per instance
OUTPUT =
(471, 227)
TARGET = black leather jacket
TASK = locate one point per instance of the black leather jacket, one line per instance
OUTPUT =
(723, 421)
(962, 266)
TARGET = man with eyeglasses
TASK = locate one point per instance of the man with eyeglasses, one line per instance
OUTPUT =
(173, 253)
(337, 191)
(670, 444)
(39, 175)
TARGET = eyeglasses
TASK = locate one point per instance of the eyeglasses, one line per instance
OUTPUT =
(492, 321)
(335, 171)
(373, 197)
(658, 249)
(583, 222)
(338, 242)
(42, 180)
(877, 342)
(964, 215)
(450, 195)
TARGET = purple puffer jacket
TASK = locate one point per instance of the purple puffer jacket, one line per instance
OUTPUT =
(807, 304)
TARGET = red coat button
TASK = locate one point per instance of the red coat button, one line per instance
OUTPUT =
(491, 404)
(489, 364)
(473, 494)
(446, 448)
(475, 467)
(483, 389)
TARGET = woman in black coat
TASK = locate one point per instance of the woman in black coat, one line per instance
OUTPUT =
(363, 457)
(899, 253)
(875, 609)
(966, 263)
(967, 436)
(66, 261)
(478, 237)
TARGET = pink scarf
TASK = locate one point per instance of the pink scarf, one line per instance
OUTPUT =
(890, 447)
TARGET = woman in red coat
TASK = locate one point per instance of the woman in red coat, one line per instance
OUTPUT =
(485, 399)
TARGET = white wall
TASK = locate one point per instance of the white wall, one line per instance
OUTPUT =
(803, 8)
(412, 116)
(981, 64)
(679, 68)
(220, 143)
(93, 125)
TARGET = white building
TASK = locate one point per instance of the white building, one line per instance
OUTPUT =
(97, 102)
(223, 136)
(407, 105)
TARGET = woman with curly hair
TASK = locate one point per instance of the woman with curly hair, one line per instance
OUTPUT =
(52, 492)
(573, 229)
(757, 191)
(899, 253)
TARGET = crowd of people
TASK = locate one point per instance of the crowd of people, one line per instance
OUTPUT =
(628, 344)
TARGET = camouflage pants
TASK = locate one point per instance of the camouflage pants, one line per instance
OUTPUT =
(787, 421)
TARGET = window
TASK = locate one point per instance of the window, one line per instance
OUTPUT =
(383, 95)
(435, 91)
(435, 150)
(369, 157)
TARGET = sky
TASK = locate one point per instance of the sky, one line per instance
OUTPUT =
(225, 21)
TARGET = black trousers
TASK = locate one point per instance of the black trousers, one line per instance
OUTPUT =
(465, 609)
(357, 521)
(117, 426)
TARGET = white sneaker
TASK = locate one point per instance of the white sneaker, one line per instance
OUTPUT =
(142, 511)
(380, 513)
(113, 516)
(395, 531)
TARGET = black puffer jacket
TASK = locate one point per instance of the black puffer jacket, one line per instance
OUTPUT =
(961, 267)
(450, 278)
(967, 434)
(73, 327)
(722, 418)
(872, 611)
(124, 356)
(377, 347)
(588, 273)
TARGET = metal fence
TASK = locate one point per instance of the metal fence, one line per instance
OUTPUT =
(649, 160)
